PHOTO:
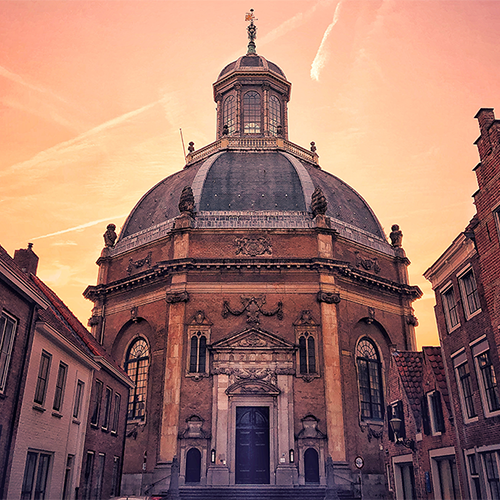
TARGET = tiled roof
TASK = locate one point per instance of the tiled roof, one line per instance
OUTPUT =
(435, 360)
(410, 369)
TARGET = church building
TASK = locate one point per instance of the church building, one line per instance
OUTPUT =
(254, 300)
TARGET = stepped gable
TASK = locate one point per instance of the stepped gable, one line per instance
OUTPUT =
(410, 369)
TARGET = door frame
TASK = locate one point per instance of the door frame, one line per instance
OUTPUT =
(259, 401)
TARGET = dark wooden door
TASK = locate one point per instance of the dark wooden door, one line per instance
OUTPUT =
(193, 466)
(252, 445)
(311, 465)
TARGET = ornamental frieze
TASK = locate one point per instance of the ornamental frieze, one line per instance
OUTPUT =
(253, 246)
(138, 264)
(253, 306)
(367, 264)
(175, 297)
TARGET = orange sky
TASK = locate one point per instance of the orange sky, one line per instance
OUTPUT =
(93, 93)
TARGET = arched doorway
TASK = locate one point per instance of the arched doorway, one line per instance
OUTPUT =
(311, 466)
(193, 466)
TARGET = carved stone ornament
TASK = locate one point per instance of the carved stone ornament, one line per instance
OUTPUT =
(200, 319)
(253, 307)
(194, 428)
(411, 320)
(319, 204)
(396, 236)
(110, 236)
(253, 387)
(305, 319)
(175, 297)
(133, 313)
(253, 246)
(310, 428)
(367, 264)
(186, 201)
(138, 264)
(371, 316)
(328, 297)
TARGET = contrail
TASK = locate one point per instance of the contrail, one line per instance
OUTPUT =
(321, 55)
(81, 226)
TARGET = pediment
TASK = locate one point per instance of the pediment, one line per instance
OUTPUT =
(253, 339)
(252, 388)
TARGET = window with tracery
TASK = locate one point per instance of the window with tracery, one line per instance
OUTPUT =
(307, 354)
(369, 380)
(274, 115)
(229, 114)
(136, 366)
(198, 353)
(251, 113)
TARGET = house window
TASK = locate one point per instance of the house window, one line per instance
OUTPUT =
(136, 366)
(470, 297)
(435, 412)
(107, 408)
(490, 461)
(488, 381)
(307, 354)
(88, 475)
(61, 382)
(116, 413)
(369, 380)
(274, 115)
(115, 478)
(7, 333)
(67, 478)
(404, 477)
(78, 398)
(445, 476)
(229, 114)
(96, 409)
(474, 482)
(36, 473)
(465, 389)
(251, 113)
(43, 375)
(101, 463)
(198, 353)
(450, 309)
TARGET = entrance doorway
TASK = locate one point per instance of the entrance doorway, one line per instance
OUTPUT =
(311, 465)
(252, 445)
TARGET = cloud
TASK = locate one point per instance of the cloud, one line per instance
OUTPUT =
(322, 54)
(80, 227)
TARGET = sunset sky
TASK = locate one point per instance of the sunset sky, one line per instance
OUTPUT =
(93, 93)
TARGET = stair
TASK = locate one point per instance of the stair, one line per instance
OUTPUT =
(258, 493)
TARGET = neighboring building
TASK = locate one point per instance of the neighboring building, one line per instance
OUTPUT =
(254, 300)
(20, 301)
(466, 281)
(51, 436)
(420, 436)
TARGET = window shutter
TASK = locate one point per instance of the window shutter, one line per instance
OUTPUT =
(425, 416)
(389, 427)
(439, 411)
(401, 415)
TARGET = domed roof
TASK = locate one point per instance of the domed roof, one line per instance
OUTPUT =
(233, 182)
(252, 62)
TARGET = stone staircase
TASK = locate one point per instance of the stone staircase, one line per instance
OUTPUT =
(258, 493)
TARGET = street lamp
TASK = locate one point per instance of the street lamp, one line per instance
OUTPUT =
(395, 424)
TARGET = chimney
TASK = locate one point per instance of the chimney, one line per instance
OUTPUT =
(26, 259)
(485, 117)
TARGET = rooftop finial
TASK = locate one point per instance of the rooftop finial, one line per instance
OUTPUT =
(252, 32)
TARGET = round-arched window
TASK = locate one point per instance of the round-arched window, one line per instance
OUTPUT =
(369, 380)
(136, 366)
(274, 115)
(251, 113)
(229, 114)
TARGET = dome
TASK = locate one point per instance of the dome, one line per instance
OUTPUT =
(251, 62)
(265, 182)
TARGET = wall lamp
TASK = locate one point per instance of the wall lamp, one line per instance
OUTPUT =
(395, 424)
(212, 456)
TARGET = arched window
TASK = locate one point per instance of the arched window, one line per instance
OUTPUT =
(369, 380)
(193, 466)
(136, 366)
(229, 114)
(307, 354)
(274, 115)
(251, 113)
(198, 353)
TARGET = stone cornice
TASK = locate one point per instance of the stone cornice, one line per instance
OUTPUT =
(162, 269)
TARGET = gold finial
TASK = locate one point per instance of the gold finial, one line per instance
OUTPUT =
(252, 32)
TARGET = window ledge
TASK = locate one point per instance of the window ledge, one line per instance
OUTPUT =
(39, 408)
(475, 313)
(114, 433)
(56, 414)
(104, 429)
(471, 420)
(456, 327)
(489, 414)
(94, 426)
(76, 421)
(197, 376)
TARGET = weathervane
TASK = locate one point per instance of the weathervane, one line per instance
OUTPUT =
(252, 32)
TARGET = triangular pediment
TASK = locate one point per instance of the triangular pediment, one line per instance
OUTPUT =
(253, 388)
(253, 338)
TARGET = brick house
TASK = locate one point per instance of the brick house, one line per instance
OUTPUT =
(419, 438)
(62, 364)
(19, 304)
(466, 281)
(254, 299)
